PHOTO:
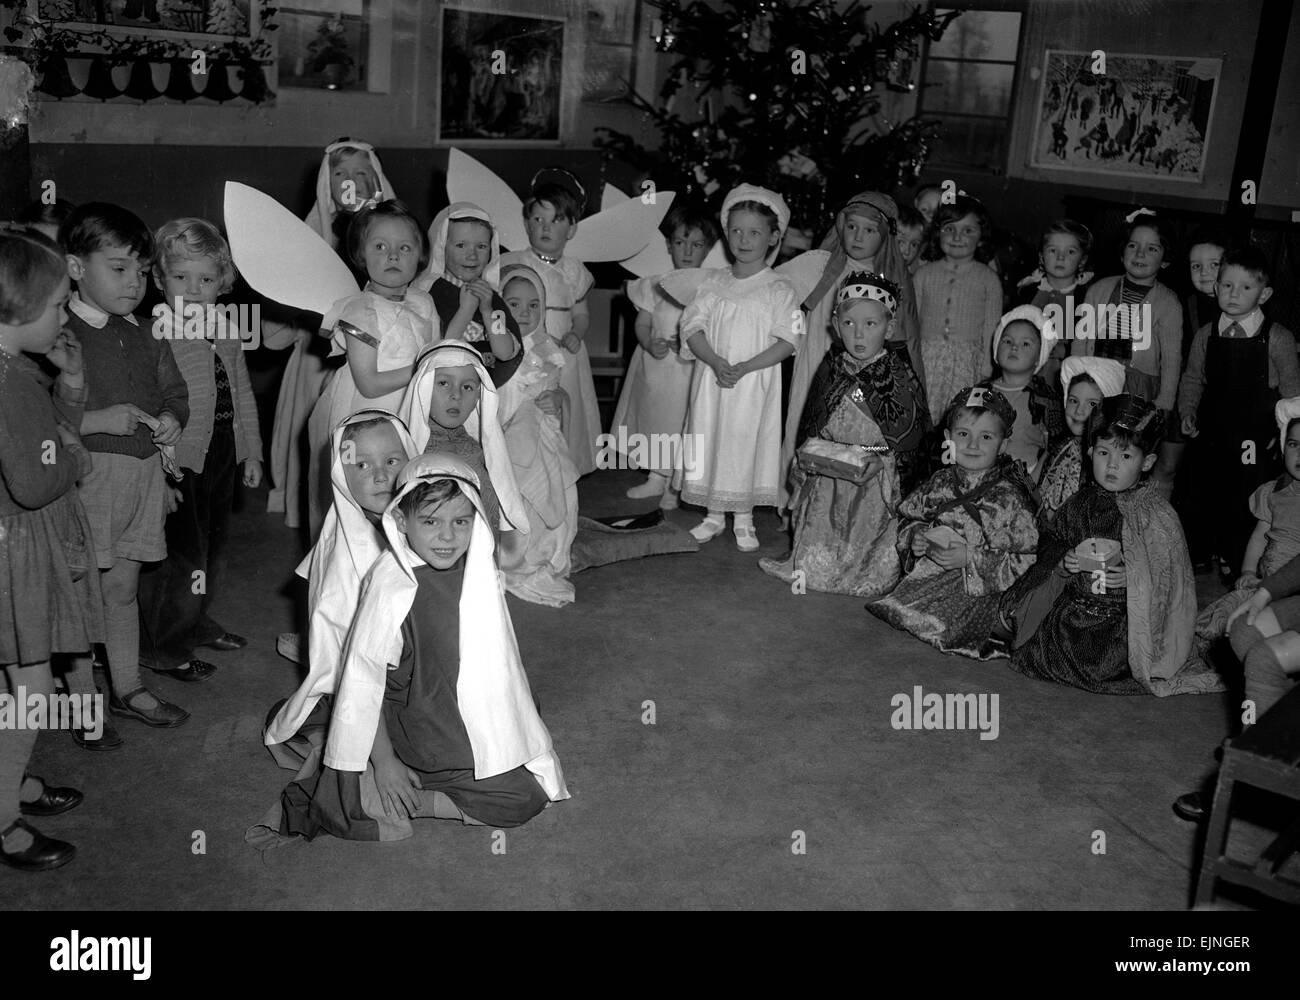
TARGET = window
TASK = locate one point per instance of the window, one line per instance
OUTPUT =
(967, 82)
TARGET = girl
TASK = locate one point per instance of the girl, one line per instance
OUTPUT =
(536, 565)
(1021, 346)
(349, 179)
(740, 324)
(463, 277)
(862, 239)
(862, 395)
(382, 331)
(1087, 382)
(658, 381)
(1110, 604)
(966, 535)
(50, 594)
(1201, 307)
(1058, 285)
(192, 269)
(958, 299)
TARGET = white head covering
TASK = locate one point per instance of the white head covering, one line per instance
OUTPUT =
(438, 245)
(483, 424)
(349, 544)
(321, 216)
(517, 270)
(1285, 411)
(1039, 320)
(751, 192)
(1107, 373)
(492, 691)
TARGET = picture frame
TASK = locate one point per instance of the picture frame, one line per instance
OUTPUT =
(200, 21)
(1144, 116)
(501, 78)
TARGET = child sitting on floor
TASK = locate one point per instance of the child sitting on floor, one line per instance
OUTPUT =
(369, 449)
(862, 395)
(1109, 605)
(1021, 346)
(434, 715)
(967, 534)
(1087, 382)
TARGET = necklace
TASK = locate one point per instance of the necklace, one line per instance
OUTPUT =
(545, 259)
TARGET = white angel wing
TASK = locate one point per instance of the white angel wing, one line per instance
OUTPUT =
(469, 180)
(804, 271)
(620, 232)
(280, 256)
(611, 196)
(654, 259)
(682, 285)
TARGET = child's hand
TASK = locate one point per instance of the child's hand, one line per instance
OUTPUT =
(252, 473)
(1115, 578)
(551, 402)
(874, 464)
(172, 499)
(469, 302)
(728, 375)
(659, 348)
(483, 293)
(1070, 561)
(398, 787)
(919, 544)
(1247, 581)
(1189, 426)
(169, 429)
(67, 436)
(571, 342)
(1251, 609)
(952, 556)
(120, 419)
(65, 355)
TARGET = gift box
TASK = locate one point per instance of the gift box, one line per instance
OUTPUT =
(829, 458)
(1098, 554)
(941, 536)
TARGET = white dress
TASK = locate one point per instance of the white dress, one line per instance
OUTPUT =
(568, 281)
(732, 452)
(656, 390)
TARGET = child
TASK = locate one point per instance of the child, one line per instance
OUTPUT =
(1237, 371)
(966, 535)
(862, 395)
(136, 402)
(1022, 344)
(551, 214)
(46, 218)
(1058, 285)
(463, 277)
(536, 565)
(382, 331)
(369, 449)
(192, 268)
(452, 407)
(742, 322)
(911, 232)
(51, 600)
(1123, 624)
(658, 383)
(926, 201)
(434, 715)
(958, 299)
(1087, 382)
(1201, 307)
(862, 239)
(349, 179)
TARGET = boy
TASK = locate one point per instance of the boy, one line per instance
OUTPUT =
(551, 214)
(137, 402)
(435, 717)
(1237, 370)
(193, 267)
(911, 231)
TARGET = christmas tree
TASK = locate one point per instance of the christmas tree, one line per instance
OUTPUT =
(784, 94)
(224, 18)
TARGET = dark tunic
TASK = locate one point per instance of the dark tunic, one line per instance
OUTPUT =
(446, 300)
(1082, 639)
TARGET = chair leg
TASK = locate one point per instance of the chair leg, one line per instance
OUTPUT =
(1216, 838)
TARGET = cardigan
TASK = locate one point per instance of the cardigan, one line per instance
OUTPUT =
(1283, 368)
(1162, 359)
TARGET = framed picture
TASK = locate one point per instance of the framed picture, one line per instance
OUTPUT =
(200, 20)
(1144, 116)
(612, 22)
(607, 72)
(323, 48)
(501, 77)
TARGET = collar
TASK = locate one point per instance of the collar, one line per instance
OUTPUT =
(93, 316)
(1251, 322)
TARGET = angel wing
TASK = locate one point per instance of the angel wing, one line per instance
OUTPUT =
(804, 271)
(280, 256)
(615, 233)
(654, 258)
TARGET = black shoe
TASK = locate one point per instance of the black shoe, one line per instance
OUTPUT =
(1190, 807)
(52, 800)
(109, 738)
(165, 716)
(226, 642)
(193, 671)
(43, 854)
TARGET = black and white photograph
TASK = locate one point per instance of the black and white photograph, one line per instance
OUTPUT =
(650, 456)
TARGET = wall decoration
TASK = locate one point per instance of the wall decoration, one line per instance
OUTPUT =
(320, 49)
(1146, 116)
(500, 78)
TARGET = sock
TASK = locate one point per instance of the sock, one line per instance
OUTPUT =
(652, 487)
(122, 623)
(80, 676)
(745, 520)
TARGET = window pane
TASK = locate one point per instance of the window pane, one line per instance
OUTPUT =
(971, 142)
(968, 88)
(979, 34)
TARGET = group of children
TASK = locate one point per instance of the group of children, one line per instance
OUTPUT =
(989, 482)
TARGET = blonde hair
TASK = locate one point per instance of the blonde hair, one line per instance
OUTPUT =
(192, 239)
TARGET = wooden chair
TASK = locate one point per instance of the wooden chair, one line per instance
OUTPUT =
(613, 320)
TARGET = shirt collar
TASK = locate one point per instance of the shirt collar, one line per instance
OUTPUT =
(1251, 322)
(93, 316)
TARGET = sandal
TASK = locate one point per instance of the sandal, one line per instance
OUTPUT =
(165, 716)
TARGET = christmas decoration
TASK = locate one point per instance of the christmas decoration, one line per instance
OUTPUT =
(797, 88)
(224, 18)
